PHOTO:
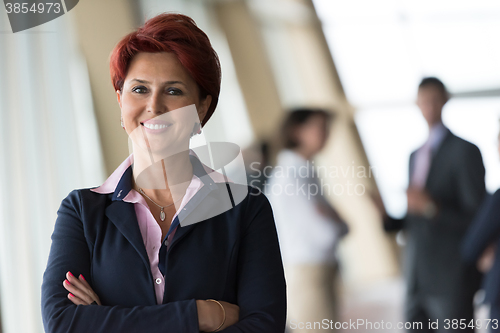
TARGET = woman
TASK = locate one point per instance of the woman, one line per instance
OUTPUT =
(309, 228)
(165, 244)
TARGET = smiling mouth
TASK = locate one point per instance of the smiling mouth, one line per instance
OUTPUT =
(155, 126)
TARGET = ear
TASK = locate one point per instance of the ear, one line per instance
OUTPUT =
(119, 98)
(203, 108)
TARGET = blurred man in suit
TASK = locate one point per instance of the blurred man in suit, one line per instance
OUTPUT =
(481, 248)
(445, 190)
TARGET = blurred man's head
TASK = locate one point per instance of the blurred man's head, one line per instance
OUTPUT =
(432, 96)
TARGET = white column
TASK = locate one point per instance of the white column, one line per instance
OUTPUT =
(48, 146)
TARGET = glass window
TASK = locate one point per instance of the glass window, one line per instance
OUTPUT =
(382, 50)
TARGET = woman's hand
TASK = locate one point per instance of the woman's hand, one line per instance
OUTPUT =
(210, 315)
(80, 292)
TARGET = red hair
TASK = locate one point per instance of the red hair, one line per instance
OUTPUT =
(180, 35)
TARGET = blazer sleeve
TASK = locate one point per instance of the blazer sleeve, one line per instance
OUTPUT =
(261, 282)
(484, 230)
(470, 189)
(70, 252)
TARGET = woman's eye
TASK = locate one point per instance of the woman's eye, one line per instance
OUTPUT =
(139, 89)
(174, 91)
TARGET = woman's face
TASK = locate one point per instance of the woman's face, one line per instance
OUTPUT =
(155, 88)
(312, 135)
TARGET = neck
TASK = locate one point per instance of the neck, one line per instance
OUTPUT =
(163, 177)
(304, 153)
(435, 123)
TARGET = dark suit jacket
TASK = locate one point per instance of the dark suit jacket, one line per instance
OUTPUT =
(233, 257)
(485, 231)
(433, 264)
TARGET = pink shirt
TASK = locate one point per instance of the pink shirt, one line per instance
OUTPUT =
(423, 156)
(150, 230)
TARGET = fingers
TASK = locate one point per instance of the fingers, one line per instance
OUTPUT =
(80, 294)
(76, 300)
(89, 288)
(84, 282)
(80, 290)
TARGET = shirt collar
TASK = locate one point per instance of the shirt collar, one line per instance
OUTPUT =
(120, 181)
(287, 156)
(436, 134)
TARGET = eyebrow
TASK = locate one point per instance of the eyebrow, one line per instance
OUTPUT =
(166, 82)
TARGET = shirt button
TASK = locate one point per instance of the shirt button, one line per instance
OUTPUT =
(166, 243)
(158, 281)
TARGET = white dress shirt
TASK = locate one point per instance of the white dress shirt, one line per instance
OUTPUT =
(306, 235)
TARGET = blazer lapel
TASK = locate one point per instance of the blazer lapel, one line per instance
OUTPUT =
(200, 212)
(122, 214)
(181, 233)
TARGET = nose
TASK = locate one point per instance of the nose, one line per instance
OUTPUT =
(156, 104)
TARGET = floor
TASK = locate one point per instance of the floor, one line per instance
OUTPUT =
(379, 306)
(376, 308)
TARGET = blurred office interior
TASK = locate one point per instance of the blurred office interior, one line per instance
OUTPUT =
(362, 59)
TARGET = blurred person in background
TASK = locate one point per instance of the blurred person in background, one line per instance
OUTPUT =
(257, 163)
(480, 247)
(121, 259)
(446, 188)
(309, 228)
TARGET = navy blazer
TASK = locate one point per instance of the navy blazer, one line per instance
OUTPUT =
(485, 231)
(233, 256)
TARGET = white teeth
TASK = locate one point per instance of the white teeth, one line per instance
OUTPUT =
(154, 126)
